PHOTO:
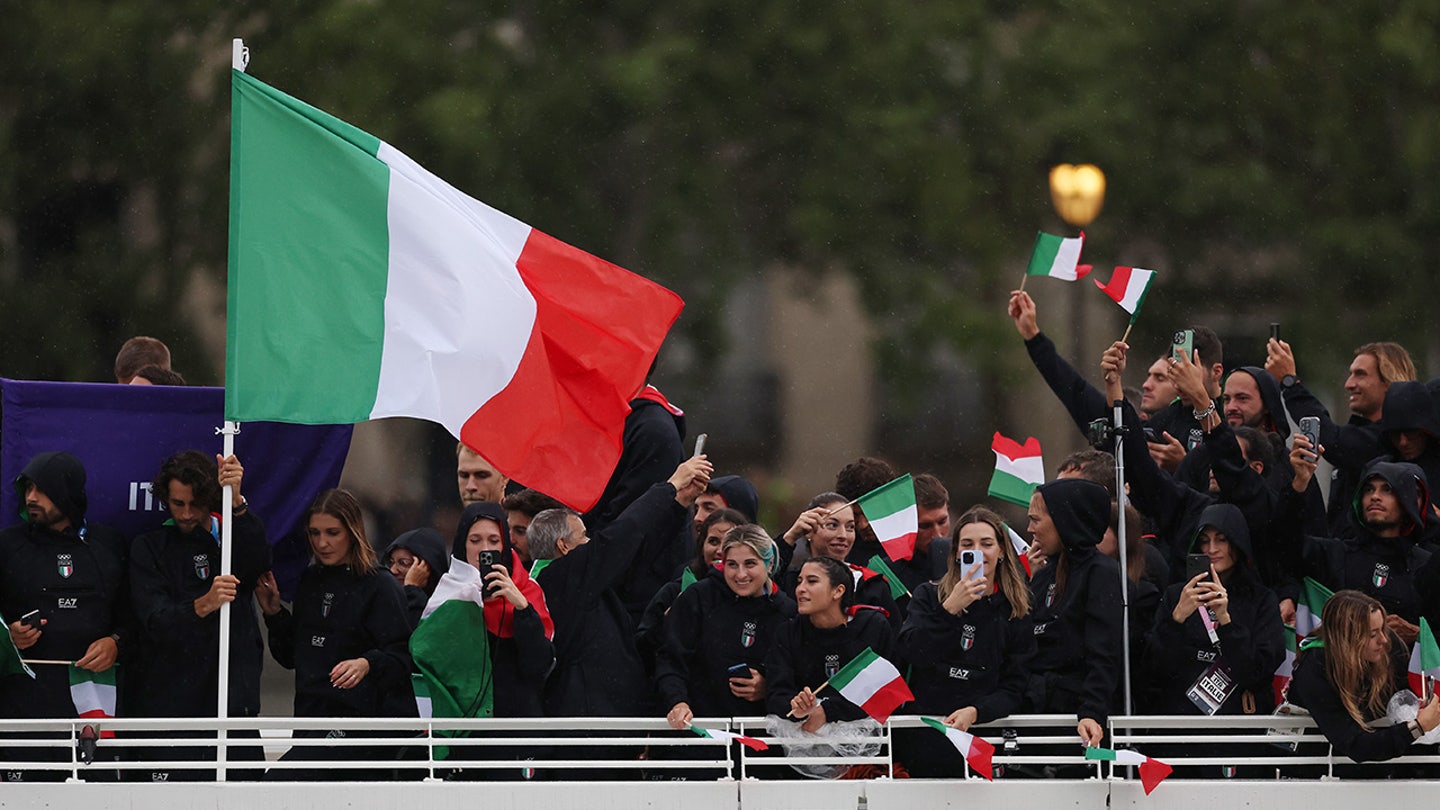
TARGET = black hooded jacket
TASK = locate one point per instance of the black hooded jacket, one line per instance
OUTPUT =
(597, 669)
(1386, 568)
(169, 570)
(338, 614)
(1251, 645)
(521, 661)
(980, 658)
(1408, 406)
(428, 545)
(1078, 623)
(1311, 689)
(1194, 470)
(75, 578)
(739, 494)
(1348, 448)
(805, 655)
(709, 630)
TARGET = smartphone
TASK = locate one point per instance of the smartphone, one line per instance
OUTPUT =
(1310, 429)
(972, 564)
(1195, 565)
(700, 443)
(1151, 435)
(31, 619)
(1183, 344)
(738, 671)
(488, 558)
(1275, 331)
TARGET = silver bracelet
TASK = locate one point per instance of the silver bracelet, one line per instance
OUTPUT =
(1201, 416)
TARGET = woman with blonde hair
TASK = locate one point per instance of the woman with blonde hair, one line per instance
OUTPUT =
(969, 640)
(1346, 674)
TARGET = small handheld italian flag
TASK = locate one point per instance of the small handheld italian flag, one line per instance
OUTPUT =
(93, 694)
(890, 508)
(977, 752)
(1022, 548)
(1313, 597)
(1286, 670)
(1019, 469)
(1057, 257)
(1128, 287)
(729, 736)
(897, 588)
(1424, 661)
(1152, 771)
(873, 684)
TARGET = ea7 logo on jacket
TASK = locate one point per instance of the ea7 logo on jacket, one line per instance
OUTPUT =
(317, 641)
(65, 564)
(67, 602)
(1381, 575)
(325, 605)
(747, 634)
(202, 566)
(960, 673)
(967, 638)
(1206, 656)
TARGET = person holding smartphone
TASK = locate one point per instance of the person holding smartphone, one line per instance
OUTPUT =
(1217, 638)
(719, 631)
(968, 639)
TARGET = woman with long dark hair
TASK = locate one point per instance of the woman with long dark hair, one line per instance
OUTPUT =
(969, 641)
(1346, 674)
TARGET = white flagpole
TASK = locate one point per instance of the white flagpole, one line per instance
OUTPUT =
(239, 59)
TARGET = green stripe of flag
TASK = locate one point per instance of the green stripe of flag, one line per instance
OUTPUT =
(897, 588)
(331, 221)
(1047, 246)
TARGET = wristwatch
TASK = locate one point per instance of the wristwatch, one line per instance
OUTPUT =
(1415, 731)
(1289, 381)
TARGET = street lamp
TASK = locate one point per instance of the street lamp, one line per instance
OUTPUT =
(1078, 192)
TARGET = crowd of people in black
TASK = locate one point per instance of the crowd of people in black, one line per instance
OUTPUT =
(668, 599)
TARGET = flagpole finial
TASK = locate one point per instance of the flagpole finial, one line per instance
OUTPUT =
(239, 54)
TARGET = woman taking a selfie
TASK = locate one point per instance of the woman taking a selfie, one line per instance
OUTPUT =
(968, 640)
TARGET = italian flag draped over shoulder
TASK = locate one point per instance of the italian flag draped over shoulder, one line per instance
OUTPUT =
(977, 752)
(1152, 771)
(1128, 287)
(873, 684)
(890, 508)
(93, 694)
(1424, 659)
(452, 650)
(1057, 257)
(1019, 469)
(362, 286)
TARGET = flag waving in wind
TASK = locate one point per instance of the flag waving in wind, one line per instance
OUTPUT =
(1424, 660)
(363, 286)
(977, 752)
(1128, 286)
(1019, 469)
(873, 684)
(1152, 771)
(890, 508)
(1057, 257)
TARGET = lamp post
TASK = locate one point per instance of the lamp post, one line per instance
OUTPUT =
(1078, 193)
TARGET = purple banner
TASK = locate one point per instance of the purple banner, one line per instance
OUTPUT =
(123, 432)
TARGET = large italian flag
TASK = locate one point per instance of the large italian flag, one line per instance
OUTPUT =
(873, 684)
(1019, 469)
(890, 508)
(363, 286)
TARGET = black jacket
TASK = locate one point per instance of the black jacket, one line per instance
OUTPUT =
(1078, 629)
(75, 578)
(1348, 448)
(1251, 646)
(1311, 688)
(1409, 406)
(805, 655)
(980, 658)
(597, 669)
(1387, 568)
(340, 614)
(428, 545)
(709, 630)
(871, 587)
(169, 570)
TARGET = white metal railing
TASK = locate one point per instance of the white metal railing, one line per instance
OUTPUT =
(582, 749)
